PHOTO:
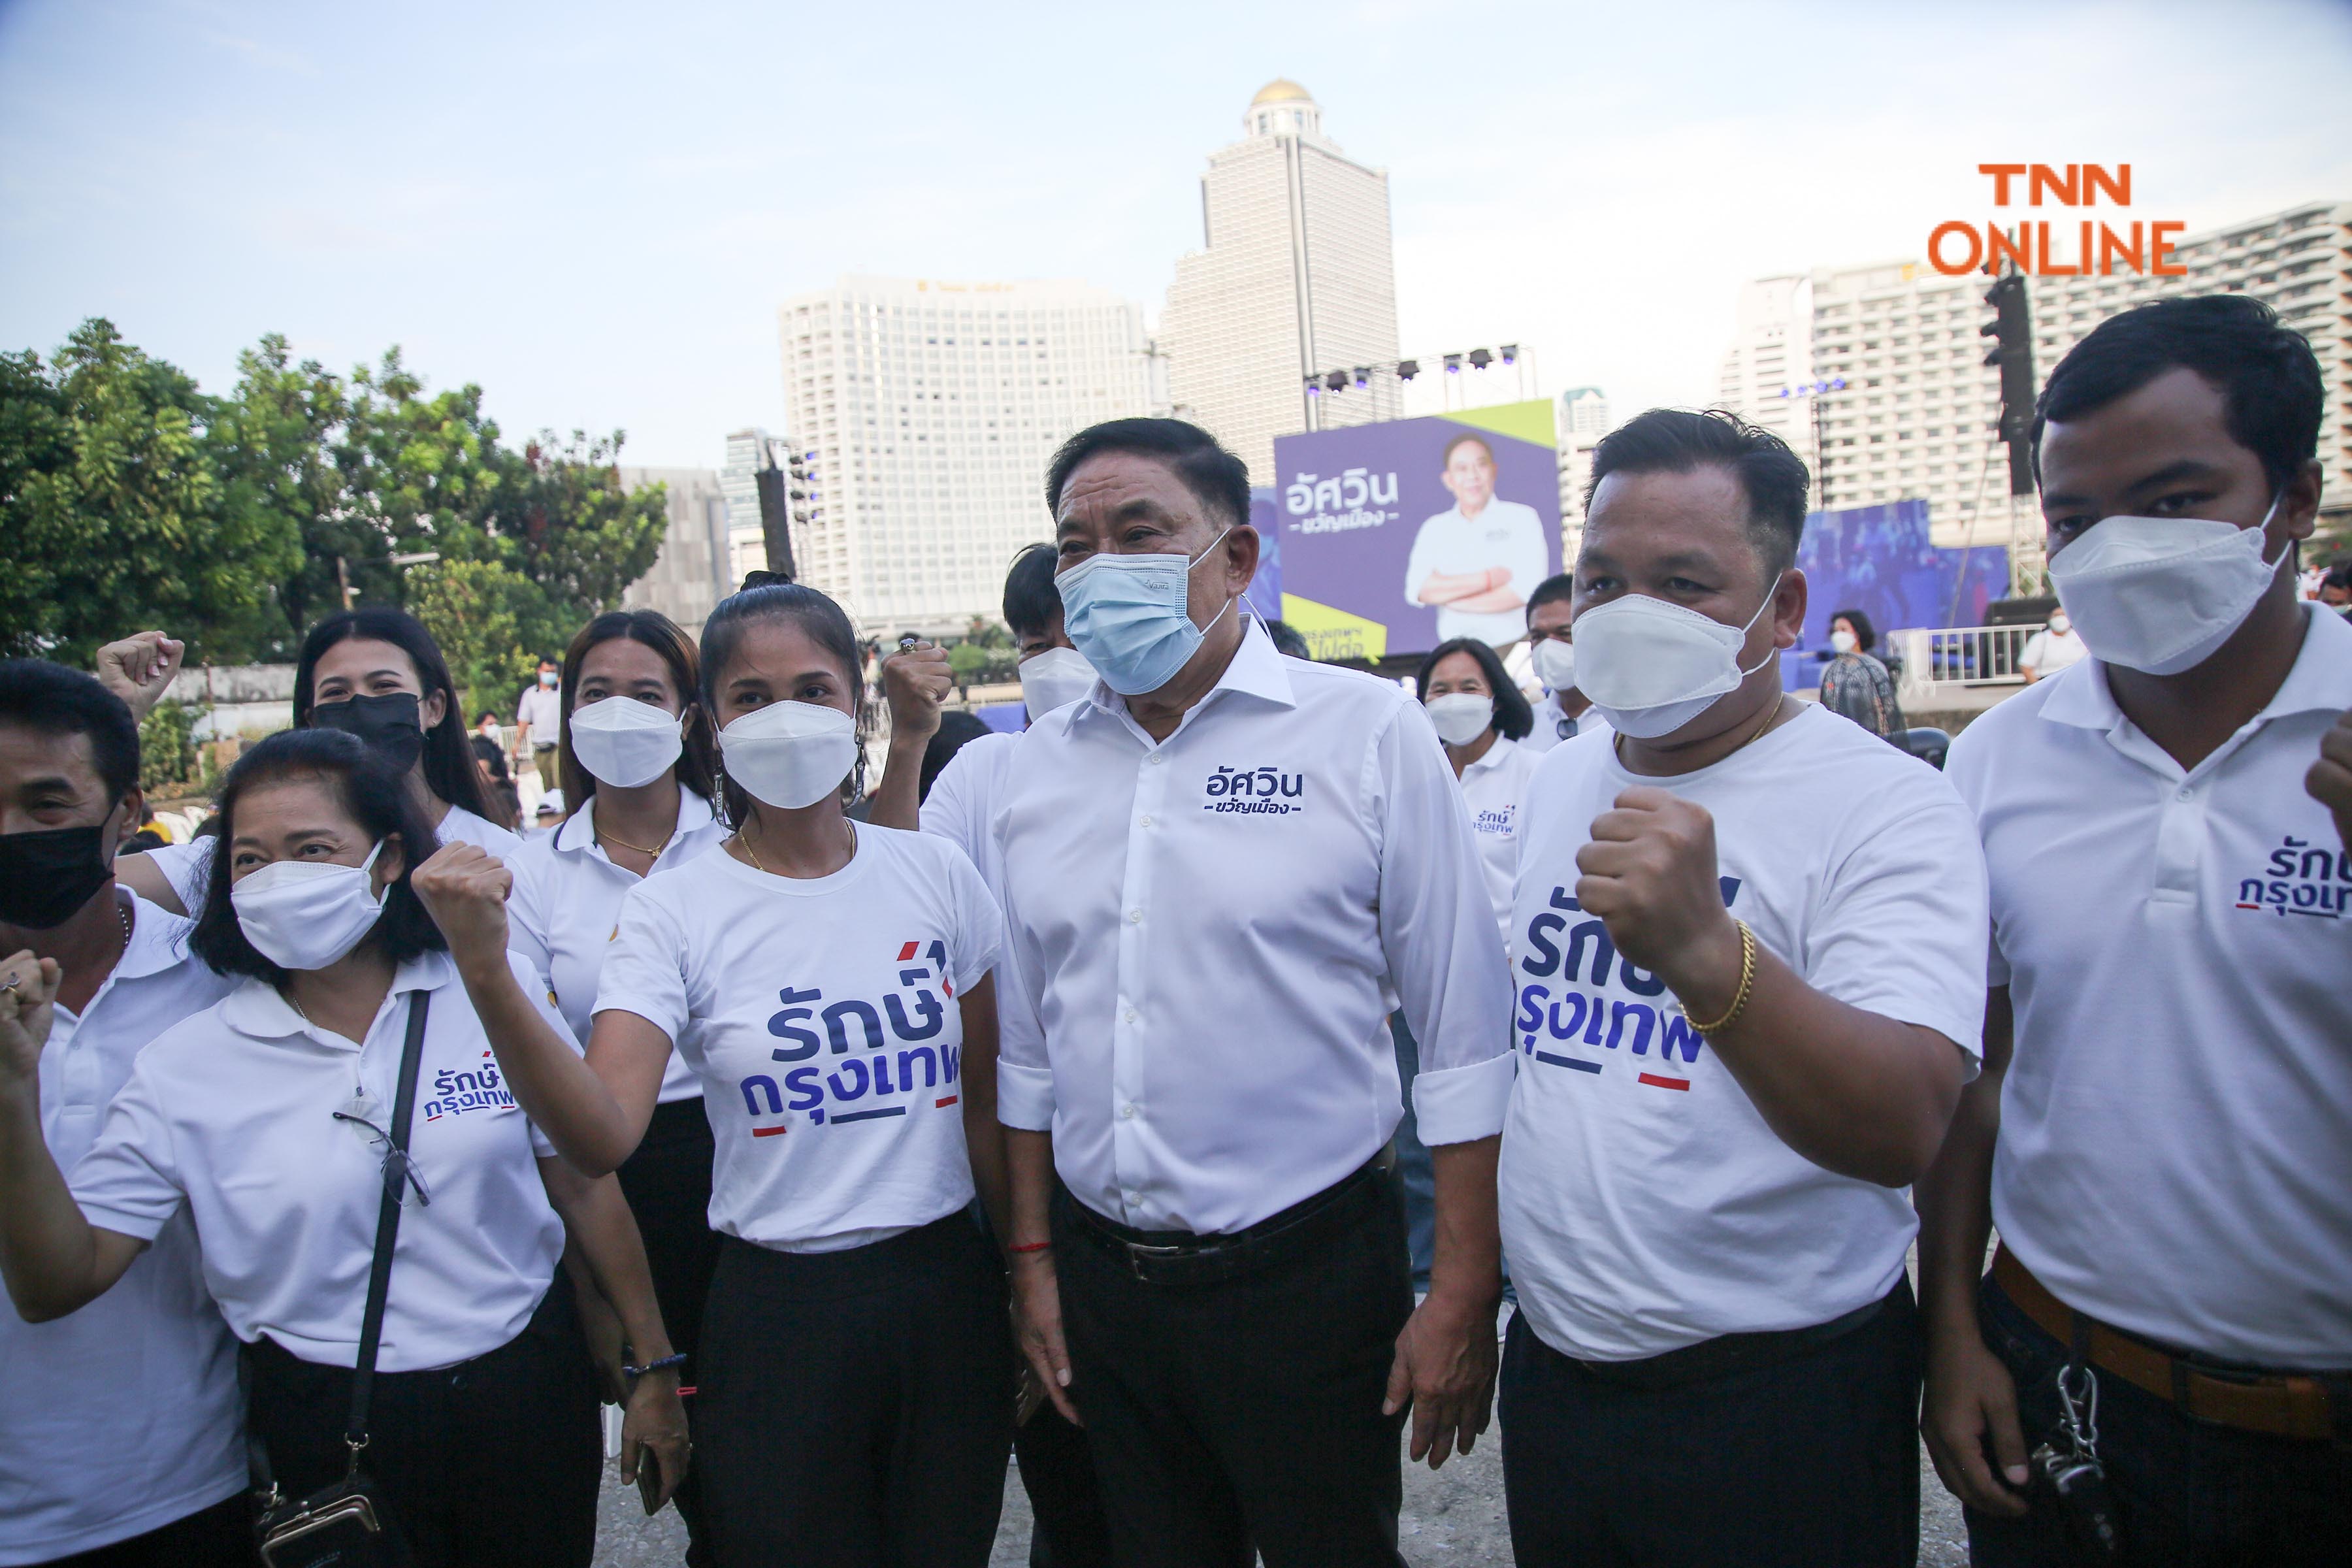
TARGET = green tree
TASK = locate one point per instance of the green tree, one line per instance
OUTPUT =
(273, 443)
(116, 513)
(491, 623)
(574, 532)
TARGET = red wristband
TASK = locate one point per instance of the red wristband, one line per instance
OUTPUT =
(1032, 1246)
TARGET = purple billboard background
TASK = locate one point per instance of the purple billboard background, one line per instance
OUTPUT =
(1350, 503)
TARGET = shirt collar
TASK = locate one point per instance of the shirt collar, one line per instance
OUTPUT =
(1495, 757)
(159, 939)
(2320, 678)
(1256, 670)
(578, 832)
(256, 1008)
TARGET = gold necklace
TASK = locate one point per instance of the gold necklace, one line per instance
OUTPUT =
(604, 837)
(742, 838)
(1617, 742)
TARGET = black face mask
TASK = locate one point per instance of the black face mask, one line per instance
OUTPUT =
(389, 724)
(45, 877)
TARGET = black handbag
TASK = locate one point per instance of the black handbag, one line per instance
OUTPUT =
(349, 1523)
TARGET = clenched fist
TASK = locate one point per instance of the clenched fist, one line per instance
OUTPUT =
(139, 668)
(1650, 874)
(916, 681)
(465, 890)
(2330, 778)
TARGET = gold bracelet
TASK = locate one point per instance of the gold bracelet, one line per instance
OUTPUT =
(1746, 983)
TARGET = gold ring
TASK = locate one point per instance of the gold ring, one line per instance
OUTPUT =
(10, 984)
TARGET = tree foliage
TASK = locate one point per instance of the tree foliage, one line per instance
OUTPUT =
(130, 498)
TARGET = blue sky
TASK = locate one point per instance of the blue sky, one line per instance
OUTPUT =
(594, 210)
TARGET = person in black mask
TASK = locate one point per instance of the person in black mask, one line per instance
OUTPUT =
(377, 673)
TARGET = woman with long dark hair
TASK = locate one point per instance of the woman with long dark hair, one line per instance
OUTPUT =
(638, 767)
(268, 1118)
(376, 673)
(829, 985)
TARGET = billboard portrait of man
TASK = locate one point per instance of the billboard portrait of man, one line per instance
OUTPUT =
(1476, 563)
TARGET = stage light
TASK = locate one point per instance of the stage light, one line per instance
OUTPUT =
(1510, 353)
(1337, 381)
(1480, 359)
(1363, 376)
(1453, 365)
(1407, 369)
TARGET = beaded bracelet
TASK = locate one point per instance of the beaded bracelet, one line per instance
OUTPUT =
(1746, 983)
(634, 1372)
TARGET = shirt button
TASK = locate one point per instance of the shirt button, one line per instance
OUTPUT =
(1147, 822)
(2187, 794)
(1126, 1113)
(1130, 1014)
(1133, 1199)
(1135, 917)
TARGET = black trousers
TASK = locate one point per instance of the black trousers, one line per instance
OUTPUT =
(2189, 1493)
(856, 1406)
(667, 1184)
(1811, 1461)
(1071, 1530)
(492, 1463)
(1245, 1413)
(220, 1536)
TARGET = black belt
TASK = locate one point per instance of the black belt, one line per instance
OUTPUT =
(1182, 1257)
(1729, 1354)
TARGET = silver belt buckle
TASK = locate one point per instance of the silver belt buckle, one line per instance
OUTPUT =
(1139, 1254)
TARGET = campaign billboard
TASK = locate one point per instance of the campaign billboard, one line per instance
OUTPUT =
(1878, 560)
(1398, 536)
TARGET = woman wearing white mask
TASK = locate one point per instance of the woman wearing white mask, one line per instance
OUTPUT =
(271, 1117)
(829, 985)
(1483, 717)
(377, 673)
(1855, 682)
(638, 764)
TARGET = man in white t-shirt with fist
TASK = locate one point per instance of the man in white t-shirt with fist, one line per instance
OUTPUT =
(1747, 976)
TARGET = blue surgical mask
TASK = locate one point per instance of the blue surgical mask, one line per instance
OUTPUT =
(1127, 615)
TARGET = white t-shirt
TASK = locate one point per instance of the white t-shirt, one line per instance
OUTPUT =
(125, 1415)
(1553, 726)
(2176, 1123)
(821, 1016)
(964, 799)
(230, 1116)
(2047, 652)
(1493, 788)
(189, 866)
(1645, 1204)
(1504, 534)
(565, 911)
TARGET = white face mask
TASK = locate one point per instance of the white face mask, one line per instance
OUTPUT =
(790, 754)
(1556, 664)
(623, 741)
(2160, 593)
(1461, 717)
(1651, 668)
(306, 914)
(1053, 679)
(1844, 642)
(2059, 624)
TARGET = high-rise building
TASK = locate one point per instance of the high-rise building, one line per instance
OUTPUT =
(1297, 277)
(1772, 356)
(1583, 420)
(1916, 414)
(1584, 412)
(695, 569)
(925, 413)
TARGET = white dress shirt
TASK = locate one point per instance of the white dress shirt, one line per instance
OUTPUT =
(1504, 534)
(188, 868)
(125, 1415)
(962, 806)
(230, 1117)
(1645, 1204)
(1553, 725)
(541, 708)
(1493, 788)
(1206, 934)
(566, 911)
(2176, 1124)
(821, 1016)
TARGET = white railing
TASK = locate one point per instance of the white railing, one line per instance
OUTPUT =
(1942, 661)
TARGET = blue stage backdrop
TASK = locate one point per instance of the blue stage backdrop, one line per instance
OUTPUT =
(1878, 560)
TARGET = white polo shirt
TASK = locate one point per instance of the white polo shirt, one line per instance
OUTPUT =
(566, 911)
(1493, 788)
(962, 806)
(230, 1116)
(2047, 652)
(125, 1415)
(2176, 1125)
(188, 867)
(822, 1015)
(1506, 533)
(1553, 726)
(1645, 1204)
(1206, 934)
(541, 708)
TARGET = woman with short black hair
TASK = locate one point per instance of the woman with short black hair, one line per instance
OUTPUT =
(1855, 682)
(269, 1117)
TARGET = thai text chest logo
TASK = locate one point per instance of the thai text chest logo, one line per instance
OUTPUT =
(870, 1069)
(2063, 246)
(1574, 1027)
(1357, 499)
(1255, 792)
(2305, 879)
(456, 1092)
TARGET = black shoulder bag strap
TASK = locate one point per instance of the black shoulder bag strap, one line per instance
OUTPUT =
(387, 1223)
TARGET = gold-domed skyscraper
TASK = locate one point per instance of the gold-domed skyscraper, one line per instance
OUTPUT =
(1297, 277)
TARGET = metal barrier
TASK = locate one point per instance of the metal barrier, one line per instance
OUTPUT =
(1938, 662)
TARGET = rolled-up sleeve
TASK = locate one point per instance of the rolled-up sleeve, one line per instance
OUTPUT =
(1024, 1078)
(1437, 932)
